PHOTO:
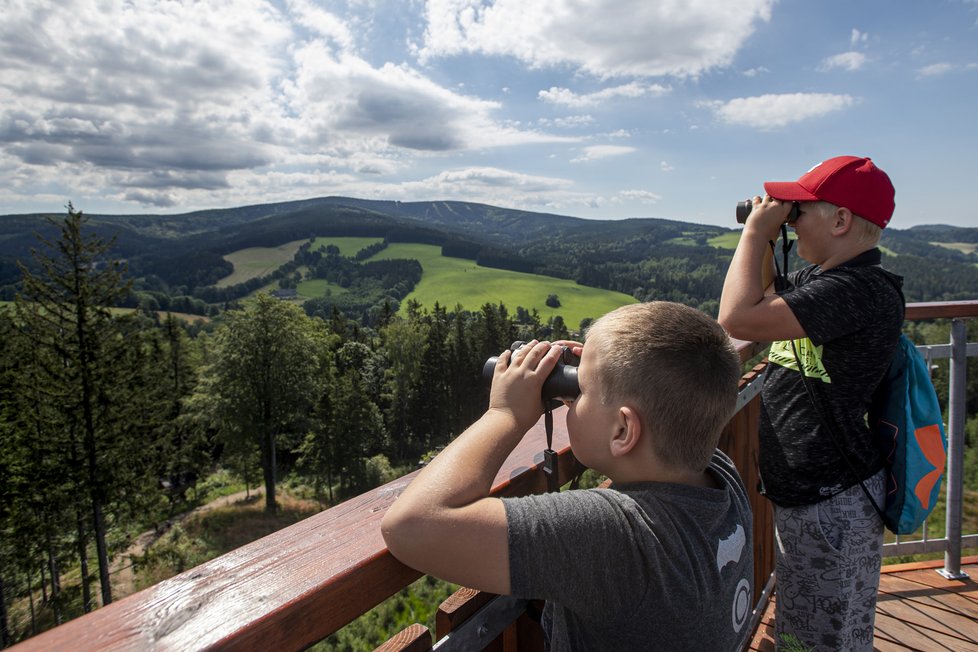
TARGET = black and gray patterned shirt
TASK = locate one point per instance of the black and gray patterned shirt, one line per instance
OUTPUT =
(853, 315)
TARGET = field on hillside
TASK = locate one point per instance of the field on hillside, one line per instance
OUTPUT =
(257, 261)
(726, 241)
(963, 247)
(451, 281)
(187, 317)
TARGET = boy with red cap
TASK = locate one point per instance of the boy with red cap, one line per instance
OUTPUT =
(841, 318)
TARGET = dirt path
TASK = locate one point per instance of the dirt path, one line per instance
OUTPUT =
(122, 575)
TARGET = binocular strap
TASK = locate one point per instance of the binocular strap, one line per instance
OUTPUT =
(549, 454)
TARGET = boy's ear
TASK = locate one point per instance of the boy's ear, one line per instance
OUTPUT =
(842, 221)
(628, 431)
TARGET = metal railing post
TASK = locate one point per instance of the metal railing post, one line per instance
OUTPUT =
(955, 449)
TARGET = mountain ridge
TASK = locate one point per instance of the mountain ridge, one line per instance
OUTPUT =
(647, 257)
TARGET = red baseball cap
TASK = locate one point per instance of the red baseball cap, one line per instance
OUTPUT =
(850, 181)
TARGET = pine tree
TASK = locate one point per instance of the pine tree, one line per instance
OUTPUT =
(81, 367)
(356, 423)
(182, 450)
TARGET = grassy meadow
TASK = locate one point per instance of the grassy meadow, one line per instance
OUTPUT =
(451, 281)
(963, 247)
(727, 240)
(257, 261)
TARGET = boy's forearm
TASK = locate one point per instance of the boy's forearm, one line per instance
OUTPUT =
(750, 274)
(464, 471)
(445, 523)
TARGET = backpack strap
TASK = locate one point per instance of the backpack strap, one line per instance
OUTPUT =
(781, 282)
(833, 435)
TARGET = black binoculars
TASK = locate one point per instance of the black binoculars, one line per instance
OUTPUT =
(561, 384)
(745, 207)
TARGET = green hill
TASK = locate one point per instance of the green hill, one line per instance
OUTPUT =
(451, 281)
(257, 261)
(203, 261)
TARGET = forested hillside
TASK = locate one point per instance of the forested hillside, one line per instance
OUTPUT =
(110, 420)
(176, 261)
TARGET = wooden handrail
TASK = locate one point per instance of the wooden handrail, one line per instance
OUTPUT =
(300, 584)
(414, 638)
(915, 312)
(291, 588)
(942, 310)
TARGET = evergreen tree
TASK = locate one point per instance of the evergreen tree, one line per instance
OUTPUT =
(183, 447)
(317, 453)
(90, 377)
(357, 424)
(264, 380)
(401, 340)
(435, 395)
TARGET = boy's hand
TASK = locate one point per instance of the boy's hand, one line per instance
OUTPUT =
(577, 348)
(767, 216)
(517, 382)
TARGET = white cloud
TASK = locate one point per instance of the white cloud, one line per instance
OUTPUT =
(857, 37)
(322, 22)
(846, 61)
(641, 196)
(606, 38)
(595, 152)
(754, 72)
(460, 181)
(488, 185)
(768, 112)
(566, 97)
(665, 167)
(158, 101)
(935, 70)
(343, 99)
(569, 122)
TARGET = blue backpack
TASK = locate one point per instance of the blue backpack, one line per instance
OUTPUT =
(906, 419)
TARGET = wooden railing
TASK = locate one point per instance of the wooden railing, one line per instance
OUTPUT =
(296, 586)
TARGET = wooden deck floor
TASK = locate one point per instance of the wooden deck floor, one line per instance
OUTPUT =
(917, 610)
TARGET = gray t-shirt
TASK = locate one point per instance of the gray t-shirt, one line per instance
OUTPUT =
(645, 566)
(853, 315)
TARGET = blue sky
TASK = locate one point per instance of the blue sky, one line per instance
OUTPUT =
(592, 108)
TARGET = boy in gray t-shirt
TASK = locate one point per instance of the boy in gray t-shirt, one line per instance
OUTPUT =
(661, 560)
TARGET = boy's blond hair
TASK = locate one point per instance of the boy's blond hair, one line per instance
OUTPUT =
(865, 232)
(678, 367)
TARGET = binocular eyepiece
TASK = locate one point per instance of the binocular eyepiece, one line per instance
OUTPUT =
(745, 207)
(560, 384)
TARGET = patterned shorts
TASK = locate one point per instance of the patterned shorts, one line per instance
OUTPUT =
(827, 570)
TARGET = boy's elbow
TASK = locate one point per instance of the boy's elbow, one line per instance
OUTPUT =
(394, 527)
(739, 324)
(730, 324)
(404, 532)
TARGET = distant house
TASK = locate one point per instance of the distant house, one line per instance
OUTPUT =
(285, 293)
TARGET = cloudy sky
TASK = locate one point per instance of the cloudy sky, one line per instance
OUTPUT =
(592, 108)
